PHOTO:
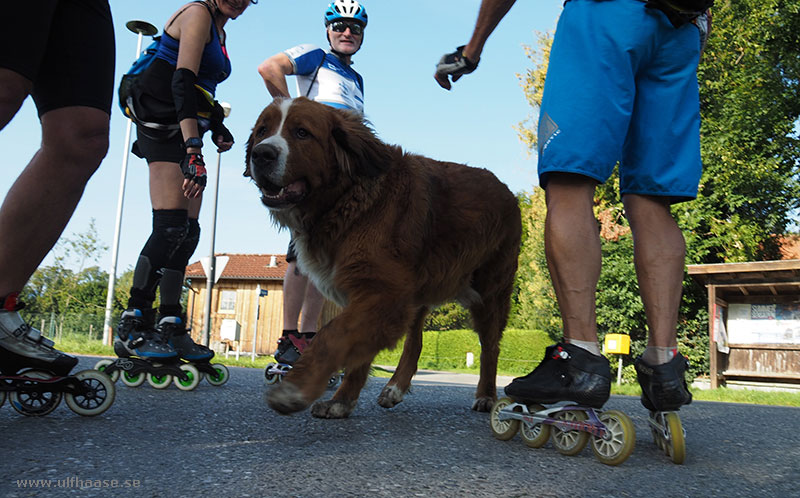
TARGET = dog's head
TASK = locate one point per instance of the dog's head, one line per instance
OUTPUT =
(300, 150)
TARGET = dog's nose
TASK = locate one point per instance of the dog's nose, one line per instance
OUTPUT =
(265, 153)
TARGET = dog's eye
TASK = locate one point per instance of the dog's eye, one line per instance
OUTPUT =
(302, 133)
(262, 130)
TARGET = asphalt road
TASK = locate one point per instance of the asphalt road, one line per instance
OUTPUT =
(225, 441)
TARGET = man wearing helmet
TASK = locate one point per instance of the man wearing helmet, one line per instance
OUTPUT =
(325, 77)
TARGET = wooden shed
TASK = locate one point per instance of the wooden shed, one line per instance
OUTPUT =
(754, 320)
(246, 302)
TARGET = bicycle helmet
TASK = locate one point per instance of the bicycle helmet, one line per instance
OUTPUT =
(345, 9)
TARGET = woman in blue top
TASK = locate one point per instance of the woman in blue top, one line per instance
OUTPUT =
(325, 77)
(174, 105)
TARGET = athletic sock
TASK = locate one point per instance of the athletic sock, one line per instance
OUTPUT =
(590, 346)
(654, 355)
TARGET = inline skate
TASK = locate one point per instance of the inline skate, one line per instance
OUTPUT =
(664, 391)
(581, 383)
(172, 330)
(144, 356)
(35, 376)
(290, 346)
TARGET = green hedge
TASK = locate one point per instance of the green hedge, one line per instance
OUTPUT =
(520, 351)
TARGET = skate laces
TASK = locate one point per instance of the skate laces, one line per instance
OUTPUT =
(12, 303)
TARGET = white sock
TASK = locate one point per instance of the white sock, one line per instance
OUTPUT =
(590, 346)
(654, 355)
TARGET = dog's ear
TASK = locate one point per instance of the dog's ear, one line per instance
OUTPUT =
(248, 149)
(357, 148)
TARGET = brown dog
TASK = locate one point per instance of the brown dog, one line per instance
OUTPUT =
(386, 235)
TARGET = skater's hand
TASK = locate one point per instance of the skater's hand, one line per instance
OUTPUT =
(194, 173)
(454, 65)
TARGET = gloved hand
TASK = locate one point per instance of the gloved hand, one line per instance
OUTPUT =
(221, 137)
(194, 172)
(454, 66)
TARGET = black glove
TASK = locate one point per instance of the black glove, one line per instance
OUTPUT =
(219, 130)
(453, 65)
(193, 168)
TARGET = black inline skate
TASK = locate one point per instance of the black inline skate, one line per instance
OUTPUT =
(664, 391)
(174, 332)
(35, 376)
(290, 346)
(145, 356)
(573, 375)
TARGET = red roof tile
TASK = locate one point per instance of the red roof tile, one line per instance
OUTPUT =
(245, 266)
(790, 246)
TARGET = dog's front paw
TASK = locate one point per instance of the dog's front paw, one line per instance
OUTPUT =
(483, 404)
(333, 409)
(286, 399)
(390, 396)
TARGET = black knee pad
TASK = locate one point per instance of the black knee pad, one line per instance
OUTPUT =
(169, 230)
(180, 258)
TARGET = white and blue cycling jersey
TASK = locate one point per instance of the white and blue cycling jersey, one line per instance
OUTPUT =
(336, 83)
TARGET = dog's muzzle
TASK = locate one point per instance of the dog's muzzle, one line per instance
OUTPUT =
(267, 169)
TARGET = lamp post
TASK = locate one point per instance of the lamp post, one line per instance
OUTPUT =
(141, 28)
(212, 259)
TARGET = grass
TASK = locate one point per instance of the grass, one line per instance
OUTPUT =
(446, 351)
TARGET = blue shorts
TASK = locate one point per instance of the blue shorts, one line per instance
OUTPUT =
(622, 87)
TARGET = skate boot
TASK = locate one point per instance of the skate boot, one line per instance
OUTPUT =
(22, 346)
(663, 386)
(137, 337)
(35, 376)
(290, 346)
(664, 391)
(567, 373)
(174, 332)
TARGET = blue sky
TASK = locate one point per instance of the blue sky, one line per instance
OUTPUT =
(472, 124)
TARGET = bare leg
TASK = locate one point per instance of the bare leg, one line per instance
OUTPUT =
(659, 255)
(39, 205)
(572, 248)
(312, 307)
(294, 289)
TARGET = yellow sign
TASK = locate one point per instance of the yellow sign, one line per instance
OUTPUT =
(618, 343)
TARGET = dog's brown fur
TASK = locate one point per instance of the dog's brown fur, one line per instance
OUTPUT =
(387, 235)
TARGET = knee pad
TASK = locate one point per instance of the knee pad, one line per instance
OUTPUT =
(169, 230)
(180, 258)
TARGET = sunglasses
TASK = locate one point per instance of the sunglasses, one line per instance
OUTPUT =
(341, 27)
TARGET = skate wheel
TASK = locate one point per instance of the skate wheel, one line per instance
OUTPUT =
(2, 397)
(133, 380)
(102, 365)
(617, 445)
(33, 403)
(503, 429)
(193, 378)
(220, 375)
(534, 436)
(569, 441)
(270, 377)
(159, 381)
(99, 395)
(675, 445)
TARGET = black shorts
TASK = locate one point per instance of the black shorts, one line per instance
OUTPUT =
(159, 146)
(65, 47)
(290, 254)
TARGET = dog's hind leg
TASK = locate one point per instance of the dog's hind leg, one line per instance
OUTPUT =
(343, 402)
(399, 384)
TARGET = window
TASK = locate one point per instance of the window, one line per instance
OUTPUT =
(227, 301)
